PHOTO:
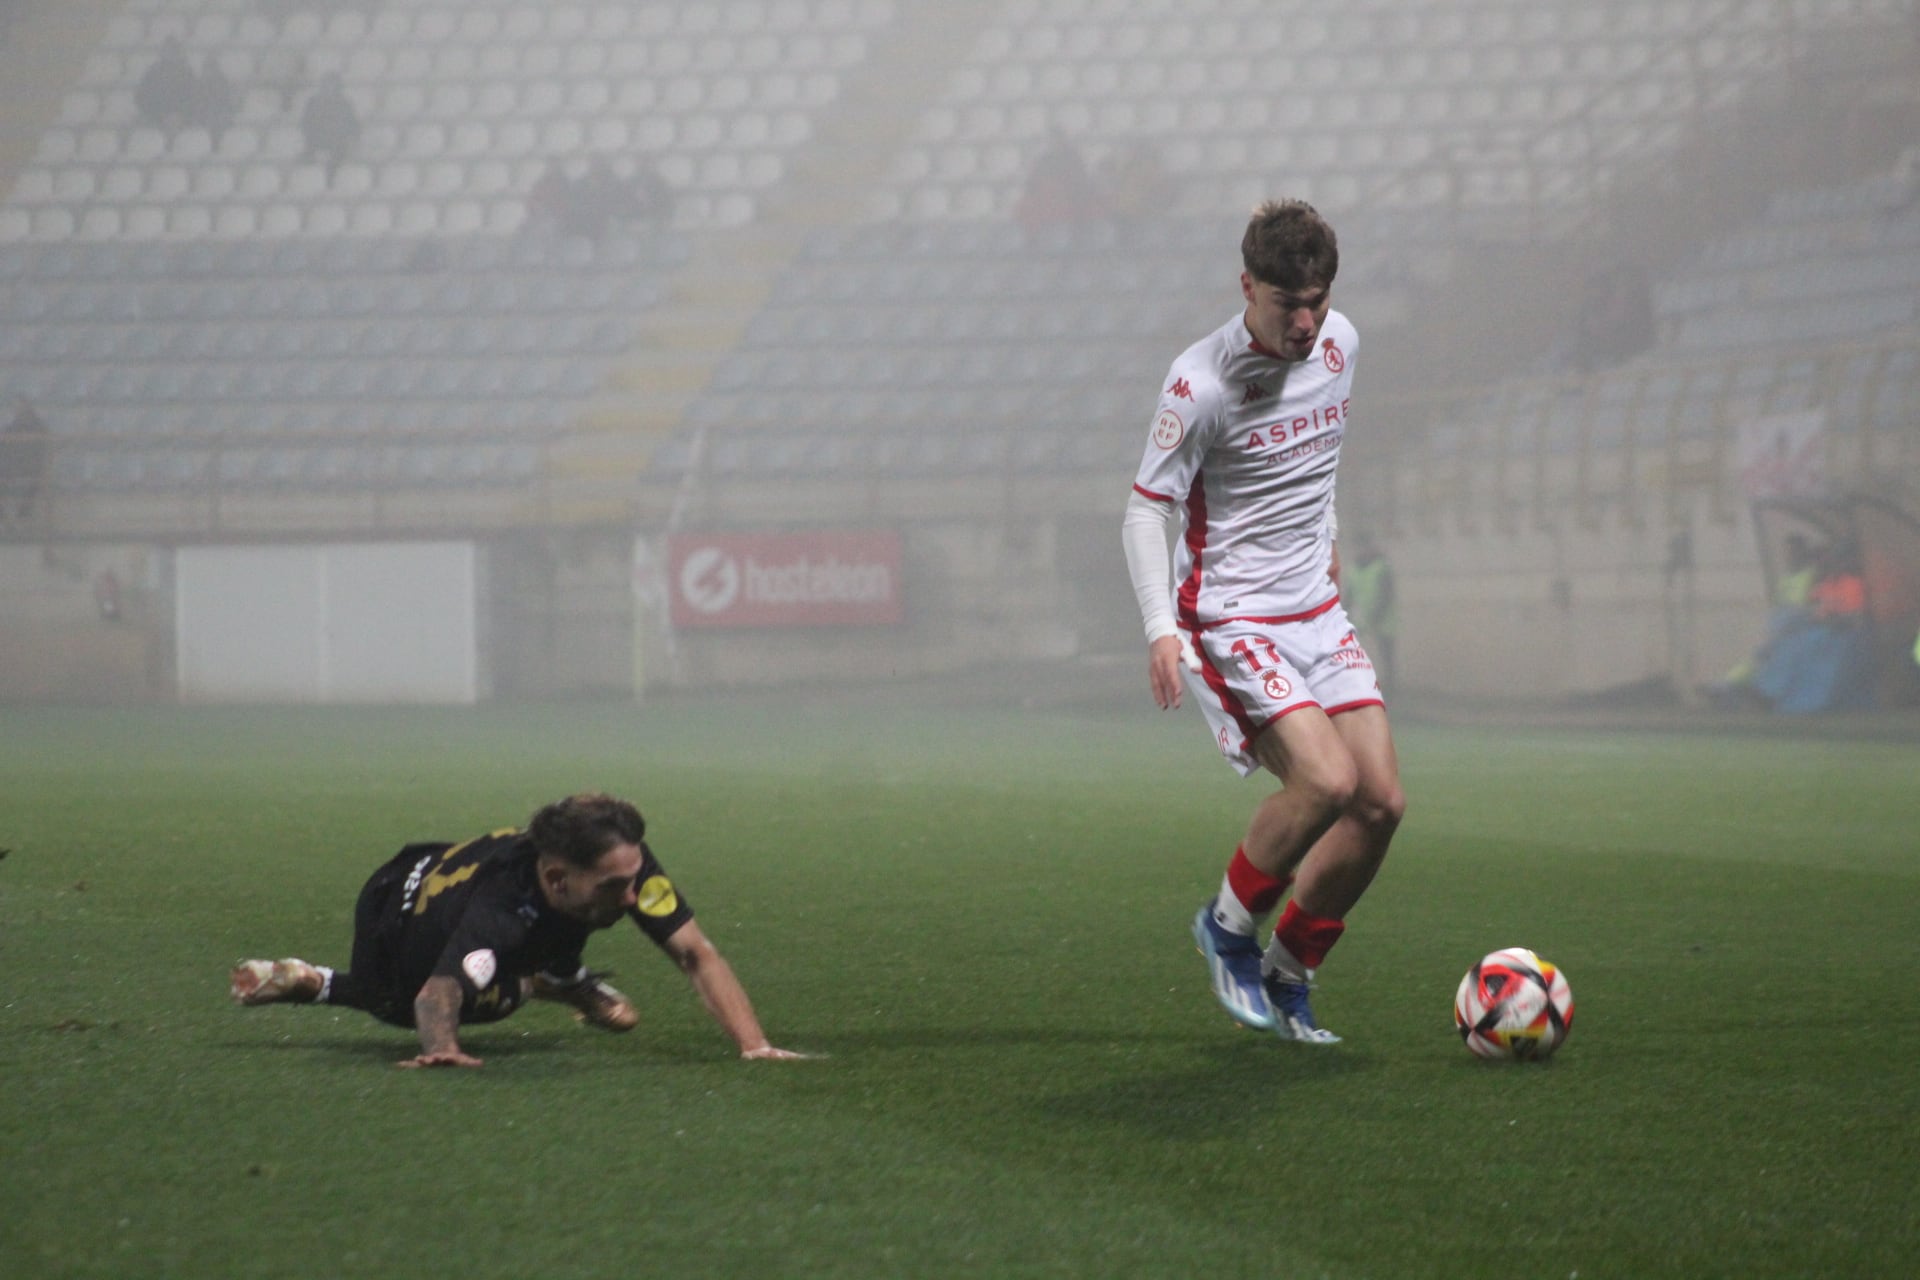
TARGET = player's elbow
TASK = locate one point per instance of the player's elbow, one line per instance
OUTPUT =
(696, 955)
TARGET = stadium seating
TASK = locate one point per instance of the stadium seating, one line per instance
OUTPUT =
(172, 282)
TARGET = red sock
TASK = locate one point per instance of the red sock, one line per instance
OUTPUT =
(1258, 892)
(1309, 938)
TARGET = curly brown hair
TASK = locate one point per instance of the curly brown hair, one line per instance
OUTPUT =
(581, 828)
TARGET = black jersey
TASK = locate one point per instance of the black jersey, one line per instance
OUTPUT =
(475, 912)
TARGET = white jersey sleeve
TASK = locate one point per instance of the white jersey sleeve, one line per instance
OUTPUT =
(1184, 428)
(1146, 533)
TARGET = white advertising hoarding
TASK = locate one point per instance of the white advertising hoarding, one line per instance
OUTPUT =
(352, 623)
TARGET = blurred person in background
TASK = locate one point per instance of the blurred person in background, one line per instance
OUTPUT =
(450, 934)
(330, 124)
(23, 463)
(168, 92)
(1366, 590)
(1059, 188)
(1242, 452)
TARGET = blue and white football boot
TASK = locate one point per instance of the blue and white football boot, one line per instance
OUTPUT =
(1233, 963)
(1289, 991)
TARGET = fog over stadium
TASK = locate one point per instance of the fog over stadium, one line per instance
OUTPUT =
(446, 351)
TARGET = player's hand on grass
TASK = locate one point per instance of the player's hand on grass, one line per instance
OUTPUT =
(453, 1058)
(768, 1051)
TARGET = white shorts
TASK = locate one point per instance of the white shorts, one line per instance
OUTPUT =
(1253, 671)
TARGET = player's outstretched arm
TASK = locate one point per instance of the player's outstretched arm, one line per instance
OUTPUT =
(713, 978)
(436, 1012)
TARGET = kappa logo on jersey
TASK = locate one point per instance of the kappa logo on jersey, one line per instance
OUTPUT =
(1331, 355)
(1275, 685)
(1180, 390)
(480, 966)
(1255, 392)
(1168, 430)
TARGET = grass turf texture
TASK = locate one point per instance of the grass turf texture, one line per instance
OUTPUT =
(981, 917)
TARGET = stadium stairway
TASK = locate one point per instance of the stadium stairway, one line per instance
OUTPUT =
(729, 273)
(44, 52)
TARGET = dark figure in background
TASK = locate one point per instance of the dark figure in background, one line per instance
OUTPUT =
(1790, 609)
(330, 124)
(215, 105)
(1616, 317)
(598, 201)
(23, 463)
(1818, 654)
(168, 95)
(651, 196)
(547, 200)
(1133, 184)
(283, 71)
(1059, 189)
(1366, 589)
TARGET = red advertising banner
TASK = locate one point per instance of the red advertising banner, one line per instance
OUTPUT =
(810, 579)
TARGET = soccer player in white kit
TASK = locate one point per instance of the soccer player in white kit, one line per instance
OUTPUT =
(1248, 617)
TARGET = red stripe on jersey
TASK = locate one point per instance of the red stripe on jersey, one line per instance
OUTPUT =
(1189, 593)
(1314, 612)
(1148, 493)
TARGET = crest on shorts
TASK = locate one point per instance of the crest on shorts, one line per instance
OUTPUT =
(1276, 685)
(480, 966)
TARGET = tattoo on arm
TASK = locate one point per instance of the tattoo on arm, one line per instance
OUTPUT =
(436, 1013)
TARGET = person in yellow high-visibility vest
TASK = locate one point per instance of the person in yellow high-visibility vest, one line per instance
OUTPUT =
(1366, 589)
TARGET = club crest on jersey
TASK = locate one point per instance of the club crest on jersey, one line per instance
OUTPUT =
(480, 966)
(1331, 355)
(1168, 430)
(1254, 393)
(1180, 390)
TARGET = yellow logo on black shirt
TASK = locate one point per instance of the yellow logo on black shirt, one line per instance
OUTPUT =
(657, 897)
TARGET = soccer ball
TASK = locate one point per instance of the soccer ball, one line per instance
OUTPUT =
(1513, 1005)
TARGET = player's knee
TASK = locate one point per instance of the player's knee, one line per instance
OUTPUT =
(1331, 784)
(1380, 808)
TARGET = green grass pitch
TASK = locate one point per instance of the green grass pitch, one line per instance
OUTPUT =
(980, 917)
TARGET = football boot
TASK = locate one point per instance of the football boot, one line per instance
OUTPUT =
(1292, 1005)
(593, 1001)
(270, 981)
(1233, 964)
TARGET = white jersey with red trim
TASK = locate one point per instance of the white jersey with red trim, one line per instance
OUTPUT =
(1248, 443)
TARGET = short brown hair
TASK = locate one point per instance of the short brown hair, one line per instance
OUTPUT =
(581, 828)
(1290, 246)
